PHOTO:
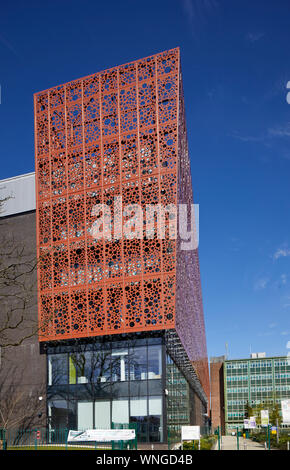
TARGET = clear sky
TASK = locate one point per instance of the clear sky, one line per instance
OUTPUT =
(236, 64)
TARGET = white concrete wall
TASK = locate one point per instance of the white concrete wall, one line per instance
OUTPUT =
(21, 193)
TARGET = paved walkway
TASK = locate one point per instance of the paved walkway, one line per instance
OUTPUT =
(230, 443)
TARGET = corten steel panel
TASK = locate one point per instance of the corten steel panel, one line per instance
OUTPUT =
(120, 132)
(189, 315)
(111, 134)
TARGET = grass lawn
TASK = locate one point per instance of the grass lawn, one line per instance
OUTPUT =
(56, 447)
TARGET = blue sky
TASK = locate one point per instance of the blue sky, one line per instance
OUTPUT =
(236, 65)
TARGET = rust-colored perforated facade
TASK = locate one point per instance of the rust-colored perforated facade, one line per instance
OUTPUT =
(119, 132)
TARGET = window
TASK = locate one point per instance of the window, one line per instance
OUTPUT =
(120, 411)
(102, 414)
(154, 362)
(155, 419)
(57, 369)
(102, 366)
(85, 415)
(138, 363)
(90, 366)
(58, 414)
(120, 365)
(138, 414)
(81, 367)
(138, 407)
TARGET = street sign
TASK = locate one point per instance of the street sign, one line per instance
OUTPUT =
(246, 423)
(264, 417)
(252, 423)
(285, 407)
(190, 433)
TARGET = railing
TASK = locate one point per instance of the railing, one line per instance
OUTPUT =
(174, 438)
(45, 439)
(280, 439)
(174, 435)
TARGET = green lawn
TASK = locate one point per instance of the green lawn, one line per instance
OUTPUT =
(56, 447)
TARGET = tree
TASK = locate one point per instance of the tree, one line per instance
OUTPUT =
(274, 411)
(248, 410)
(17, 288)
(20, 406)
(275, 415)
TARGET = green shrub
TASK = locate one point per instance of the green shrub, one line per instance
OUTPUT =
(206, 443)
(262, 437)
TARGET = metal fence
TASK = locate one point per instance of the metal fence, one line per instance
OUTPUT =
(271, 437)
(46, 439)
(174, 435)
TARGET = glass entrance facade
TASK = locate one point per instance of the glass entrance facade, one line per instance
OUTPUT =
(95, 384)
(121, 381)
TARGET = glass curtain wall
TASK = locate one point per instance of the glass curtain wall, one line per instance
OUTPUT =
(180, 401)
(95, 385)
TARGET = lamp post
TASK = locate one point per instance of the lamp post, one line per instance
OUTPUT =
(219, 442)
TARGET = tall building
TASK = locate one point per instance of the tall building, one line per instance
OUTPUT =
(217, 408)
(249, 383)
(119, 308)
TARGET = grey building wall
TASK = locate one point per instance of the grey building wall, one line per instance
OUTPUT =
(22, 367)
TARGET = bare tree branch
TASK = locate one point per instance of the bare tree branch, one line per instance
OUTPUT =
(18, 302)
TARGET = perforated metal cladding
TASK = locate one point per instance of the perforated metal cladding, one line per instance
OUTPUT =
(189, 318)
(114, 133)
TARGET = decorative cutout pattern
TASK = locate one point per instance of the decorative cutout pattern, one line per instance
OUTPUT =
(112, 134)
(189, 318)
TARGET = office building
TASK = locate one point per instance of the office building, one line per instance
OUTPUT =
(248, 384)
(119, 309)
